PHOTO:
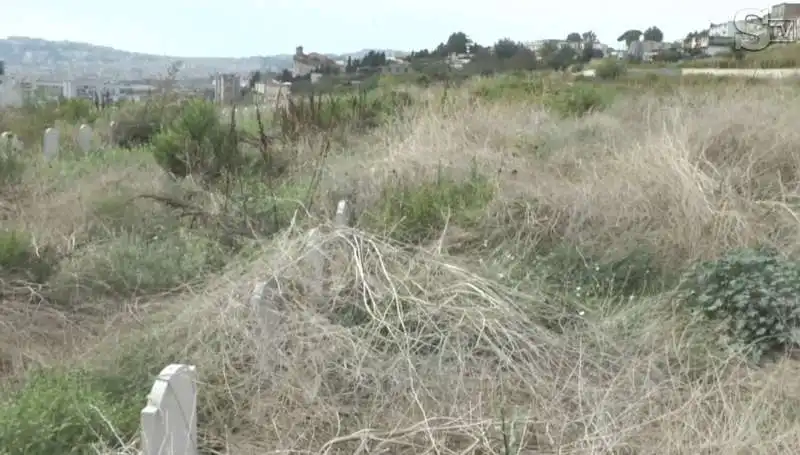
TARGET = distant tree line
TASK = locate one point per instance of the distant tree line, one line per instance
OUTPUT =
(507, 54)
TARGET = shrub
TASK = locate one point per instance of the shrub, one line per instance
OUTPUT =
(609, 69)
(194, 143)
(510, 88)
(11, 162)
(578, 100)
(20, 261)
(69, 412)
(753, 293)
(139, 123)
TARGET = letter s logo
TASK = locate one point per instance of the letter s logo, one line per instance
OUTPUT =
(751, 30)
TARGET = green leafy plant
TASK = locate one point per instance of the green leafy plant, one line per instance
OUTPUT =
(194, 143)
(12, 164)
(753, 292)
(609, 69)
(578, 100)
(20, 261)
(68, 412)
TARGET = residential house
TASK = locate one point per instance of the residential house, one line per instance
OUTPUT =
(307, 63)
(538, 45)
(785, 22)
(720, 38)
(457, 61)
(395, 66)
(604, 48)
(785, 11)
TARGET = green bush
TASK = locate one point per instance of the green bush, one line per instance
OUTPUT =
(609, 69)
(578, 99)
(69, 412)
(753, 292)
(195, 143)
(11, 165)
(508, 87)
(20, 261)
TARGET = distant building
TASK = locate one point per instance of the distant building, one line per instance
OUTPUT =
(227, 88)
(307, 63)
(785, 11)
(395, 66)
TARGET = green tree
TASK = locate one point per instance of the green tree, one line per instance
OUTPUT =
(654, 34)
(524, 59)
(420, 54)
(574, 37)
(630, 36)
(285, 76)
(506, 48)
(476, 48)
(373, 59)
(458, 43)
(588, 51)
(562, 58)
(548, 50)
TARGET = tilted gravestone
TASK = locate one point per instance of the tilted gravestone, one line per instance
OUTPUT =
(50, 143)
(85, 138)
(112, 132)
(169, 421)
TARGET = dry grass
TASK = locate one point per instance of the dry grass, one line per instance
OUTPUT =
(434, 349)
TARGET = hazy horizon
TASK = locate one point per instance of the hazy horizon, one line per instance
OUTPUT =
(246, 28)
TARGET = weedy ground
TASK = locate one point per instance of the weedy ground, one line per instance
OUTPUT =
(507, 285)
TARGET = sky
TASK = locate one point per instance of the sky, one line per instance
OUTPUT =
(239, 28)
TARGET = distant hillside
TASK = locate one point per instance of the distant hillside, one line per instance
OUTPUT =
(61, 59)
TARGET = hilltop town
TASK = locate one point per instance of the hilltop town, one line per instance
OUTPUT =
(92, 71)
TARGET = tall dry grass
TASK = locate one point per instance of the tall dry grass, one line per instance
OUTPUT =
(432, 349)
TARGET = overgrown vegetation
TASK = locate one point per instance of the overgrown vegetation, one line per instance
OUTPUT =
(515, 248)
(752, 292)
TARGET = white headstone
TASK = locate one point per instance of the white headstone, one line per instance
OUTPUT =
(169, 421)
(112, 130)
(50, 143)
(264, 303)
(342, 214)
(85, 138)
